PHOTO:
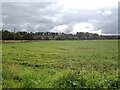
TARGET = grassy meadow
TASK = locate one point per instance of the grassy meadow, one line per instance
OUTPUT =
(60, 64)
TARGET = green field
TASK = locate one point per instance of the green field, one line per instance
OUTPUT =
(60, 64)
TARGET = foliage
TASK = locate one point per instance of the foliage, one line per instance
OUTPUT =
(6, 35)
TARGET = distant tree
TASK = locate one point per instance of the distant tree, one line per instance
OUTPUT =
(22, 33)
(118, 37)
(6, 35)
(57, 38)
(46, 38)
(17, 36)
(95, 36)
(0, 35)
(28, 37)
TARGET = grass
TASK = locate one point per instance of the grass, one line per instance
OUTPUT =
(61, 64)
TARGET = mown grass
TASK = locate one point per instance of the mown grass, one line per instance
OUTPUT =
(61, 64)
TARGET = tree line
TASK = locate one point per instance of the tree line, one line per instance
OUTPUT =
(22, 35)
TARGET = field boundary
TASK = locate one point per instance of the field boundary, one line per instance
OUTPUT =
(23, 41)
(19, 41)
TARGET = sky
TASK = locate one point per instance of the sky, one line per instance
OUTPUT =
(67, 16)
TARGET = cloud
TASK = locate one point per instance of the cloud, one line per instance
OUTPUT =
(107, 12)
(53, 16)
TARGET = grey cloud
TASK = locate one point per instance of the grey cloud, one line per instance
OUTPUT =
(39, 17)
(108, 23)
(32, 13)
(69, 29)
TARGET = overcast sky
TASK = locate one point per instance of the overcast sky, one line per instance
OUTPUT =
(68, 16)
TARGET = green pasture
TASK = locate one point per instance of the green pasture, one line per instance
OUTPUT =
(60, 64)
